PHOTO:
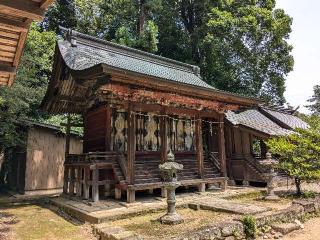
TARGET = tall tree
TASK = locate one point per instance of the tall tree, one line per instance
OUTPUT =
(314, 107)
(61, 13)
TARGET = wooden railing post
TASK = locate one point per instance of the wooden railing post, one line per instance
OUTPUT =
(65, 179)
(131, 152)
(86, 185)
(199, 146)
(164, 137)
(221, 144)
(131, 149)
(95, 186)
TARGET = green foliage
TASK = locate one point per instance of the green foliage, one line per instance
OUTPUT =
(61, 13)
(247, 50)
(299, 153)
(250, 226)
(314, 107)
(22, 100)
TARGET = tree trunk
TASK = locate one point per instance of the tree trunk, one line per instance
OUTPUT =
(142, 16)
(297, 182)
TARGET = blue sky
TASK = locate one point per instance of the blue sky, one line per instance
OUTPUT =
(305, 38)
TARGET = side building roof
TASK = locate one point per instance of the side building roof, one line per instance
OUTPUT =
(262, 121)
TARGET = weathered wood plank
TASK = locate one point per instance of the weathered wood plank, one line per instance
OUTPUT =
(6, 54)
(8, 41)
(10, 24)
(22, 8)
(6, 59)
(8, 48)
(9, 34)
(20, 47)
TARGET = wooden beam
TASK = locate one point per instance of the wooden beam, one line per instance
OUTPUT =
(4, 68)
(22, 8)
(131, 149)
(199, 146)
(221, 145)
(20, 48)
(13, 25)
(44, 4)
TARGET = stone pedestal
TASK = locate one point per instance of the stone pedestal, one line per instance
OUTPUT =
(169, 173)
(171, 217)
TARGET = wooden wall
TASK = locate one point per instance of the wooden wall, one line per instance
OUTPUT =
(96, 130)
(45, 158)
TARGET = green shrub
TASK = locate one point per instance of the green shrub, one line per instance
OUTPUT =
(308, 194)
(250, 226)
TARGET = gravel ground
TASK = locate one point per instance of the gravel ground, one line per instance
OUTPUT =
(310, 232)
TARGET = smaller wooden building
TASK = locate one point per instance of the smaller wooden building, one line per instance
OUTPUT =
(38, 167)
(245, 133)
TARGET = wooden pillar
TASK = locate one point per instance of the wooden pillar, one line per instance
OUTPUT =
(108, 128)
(199, 147)
(65, 179)
(79, 182)
(131, 152)
(71, 180)
(221, 145)
(86, 185)
(117, 193)
(164, 137)
(95, 186)
(68, 128)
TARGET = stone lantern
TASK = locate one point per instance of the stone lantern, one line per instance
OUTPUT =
(169, 173)
(270, 164)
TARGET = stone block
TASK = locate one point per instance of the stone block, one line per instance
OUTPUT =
(228, 228)
(309, 206)
(285, 228)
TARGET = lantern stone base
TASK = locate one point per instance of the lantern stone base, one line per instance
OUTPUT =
(171, 219)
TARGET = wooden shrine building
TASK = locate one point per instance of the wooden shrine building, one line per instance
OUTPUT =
(136, 106)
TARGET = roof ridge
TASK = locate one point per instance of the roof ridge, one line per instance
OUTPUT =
(73, 36)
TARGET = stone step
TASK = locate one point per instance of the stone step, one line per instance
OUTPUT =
(286, 228)
(108, 232)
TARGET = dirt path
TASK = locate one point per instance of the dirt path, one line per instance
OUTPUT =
(310, 232)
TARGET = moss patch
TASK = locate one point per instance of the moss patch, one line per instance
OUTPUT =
(146, 225)
(36, 222)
